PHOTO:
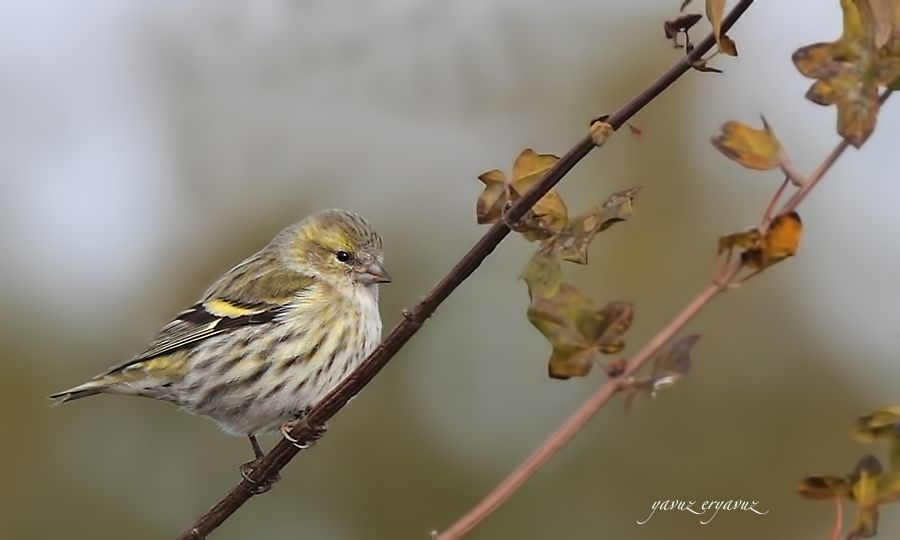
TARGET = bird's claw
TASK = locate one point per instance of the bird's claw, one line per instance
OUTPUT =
(258, 487)
(318, 432)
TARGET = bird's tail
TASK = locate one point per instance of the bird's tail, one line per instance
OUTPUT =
(90, 388)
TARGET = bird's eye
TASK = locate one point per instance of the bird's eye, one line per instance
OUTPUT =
(342, 256)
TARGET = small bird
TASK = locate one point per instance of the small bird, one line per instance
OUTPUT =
(271, 337)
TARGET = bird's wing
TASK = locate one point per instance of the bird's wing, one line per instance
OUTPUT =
(200, 322)
(212, 317)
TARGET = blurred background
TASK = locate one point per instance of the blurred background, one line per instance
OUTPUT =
(145, 147)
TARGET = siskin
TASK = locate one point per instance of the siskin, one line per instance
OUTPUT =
(271, 337)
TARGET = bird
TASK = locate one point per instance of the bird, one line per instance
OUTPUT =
(271, 337)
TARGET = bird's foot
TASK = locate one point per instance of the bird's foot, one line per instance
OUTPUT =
(317, 432)
(258, 487)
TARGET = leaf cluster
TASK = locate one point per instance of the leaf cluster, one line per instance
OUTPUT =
(574, 326)
(680, 26)
(870, 485)
(778, 236)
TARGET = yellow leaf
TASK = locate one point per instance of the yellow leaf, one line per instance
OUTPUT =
(753, 148)
(489, 207)
(744, 239)
(782, 236)
(545, 219)
(822, 93)
(883, 423)
(530, 166)
(779, 242)
(549, 213)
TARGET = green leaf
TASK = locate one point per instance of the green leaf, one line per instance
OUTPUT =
(864, 490)
(543, 274)
(577, 330)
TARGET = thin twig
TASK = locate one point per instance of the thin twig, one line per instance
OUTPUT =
(305, 429)
(792, 174)
(581, 416)
(577, 420)
(838, 519)
(824, 166)
(769, 214)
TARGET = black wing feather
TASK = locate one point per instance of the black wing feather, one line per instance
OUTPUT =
(195, 325)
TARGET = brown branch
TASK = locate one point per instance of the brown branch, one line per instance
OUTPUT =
(574, 423)
(305, 430)
(577, 420)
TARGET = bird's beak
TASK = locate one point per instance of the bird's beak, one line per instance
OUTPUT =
(372, 274)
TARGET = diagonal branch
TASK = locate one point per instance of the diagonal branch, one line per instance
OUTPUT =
(305, 430)
(722, 282)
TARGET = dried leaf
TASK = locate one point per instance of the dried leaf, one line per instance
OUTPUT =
(489, 207)
(864, 490)
(881, 424)
(669, 367)
(701, 66)
(779, 242)
(727, 45)
(715, 11)
(673, 364)
(851, 69)
(753, 148)
(573, 242)
(869, 486)
(679, 25)
(607, 326)
(823, 487)
(550, 211)
(577, 330)
(886, 16)
(635, 131)
(745, 240)
(543, 274)
(546, 218)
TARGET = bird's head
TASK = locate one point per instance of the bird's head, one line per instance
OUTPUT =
(337, 245)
